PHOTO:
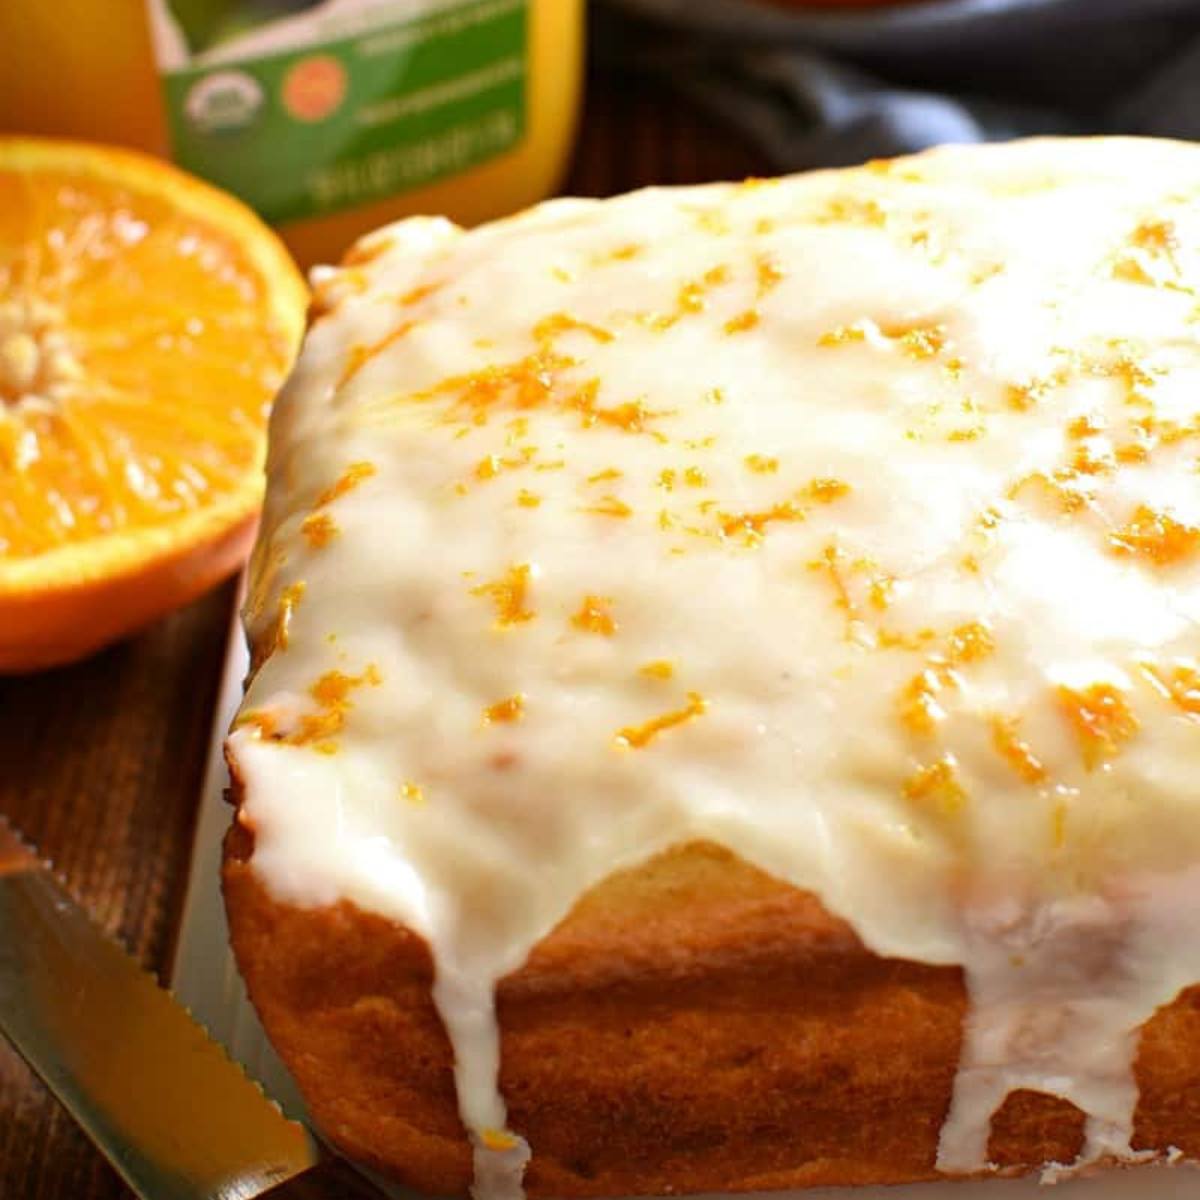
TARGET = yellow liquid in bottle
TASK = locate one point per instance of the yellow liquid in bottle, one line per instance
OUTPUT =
(87, 69)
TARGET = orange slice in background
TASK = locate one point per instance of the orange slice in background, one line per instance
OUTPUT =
(146, 322)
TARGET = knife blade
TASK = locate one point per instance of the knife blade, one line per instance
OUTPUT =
(171, 1112)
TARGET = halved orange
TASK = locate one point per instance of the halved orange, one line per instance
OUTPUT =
(146, 322)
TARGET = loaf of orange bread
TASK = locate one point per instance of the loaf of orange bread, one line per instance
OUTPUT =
(693, 1026)
(726, 690)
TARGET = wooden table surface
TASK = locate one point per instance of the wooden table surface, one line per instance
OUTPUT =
(101, 763)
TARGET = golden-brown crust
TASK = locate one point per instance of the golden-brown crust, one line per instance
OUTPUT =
(344, 996)
(693, 1025)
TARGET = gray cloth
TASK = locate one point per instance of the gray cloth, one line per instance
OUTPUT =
(834, 88)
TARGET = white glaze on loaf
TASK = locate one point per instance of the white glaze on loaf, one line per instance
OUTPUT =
(850, 520)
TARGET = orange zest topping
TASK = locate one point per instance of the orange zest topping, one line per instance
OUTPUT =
(635, 737)
(899, 639)
(595, 616)
(852, 210)
(743, 322)
(880, 592)
(1134, 378)
(626, 252)
(332, 694)
(770, 275)
(1131, 452)
(529, 382)
(265, 724)
(659, 668)
(548, 328)
(1150, 260)
(1089, 458)
(361, 355)
(842, 334)
(750, 525)
(1022, 397)
(971, 434)
(937, 787)
(510, 595)
(412, 792)
(528, 499)
(830, 564)
(493, 465)
(420, 293)
(1085, 425)
(970, 643)
(918, 706)
(631, 417)
(761, 464)
(610, 506)
(1016, 751)
(827, 490)
(1065, 491)
(1131, 270)
(1156, 537)
(1155, 235)
(498, 1140)
(319, 529)
(350, 478)
(691, 298)
(919, 341)
(1086, 461)
(333, 687)
(506, 711)
(1100, 718)
(608, 473)
(1180, 684)
(837, 566)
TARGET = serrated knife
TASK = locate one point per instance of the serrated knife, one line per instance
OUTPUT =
(160, 1099)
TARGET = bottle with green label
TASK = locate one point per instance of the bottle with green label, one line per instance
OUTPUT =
(330, 117)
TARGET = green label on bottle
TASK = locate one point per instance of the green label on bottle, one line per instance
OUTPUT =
(304, 107)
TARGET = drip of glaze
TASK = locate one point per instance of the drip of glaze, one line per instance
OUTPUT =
(499, 1173)
(1057, 992)
(466, 1002)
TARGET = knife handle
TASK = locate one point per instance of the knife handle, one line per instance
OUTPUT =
(330, 1179)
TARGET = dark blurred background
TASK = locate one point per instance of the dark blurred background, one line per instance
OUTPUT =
(812, 85)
